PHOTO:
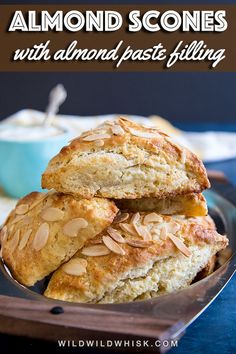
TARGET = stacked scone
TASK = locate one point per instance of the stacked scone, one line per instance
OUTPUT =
(124, 219)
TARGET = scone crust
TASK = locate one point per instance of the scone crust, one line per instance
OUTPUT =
(33, 262)
(134, 163)
(111, 278)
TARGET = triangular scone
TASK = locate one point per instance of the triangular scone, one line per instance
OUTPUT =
(45, 230)
(192, 204)
(125, 160)
(140, 254)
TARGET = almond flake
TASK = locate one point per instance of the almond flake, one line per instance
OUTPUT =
(139, 243)
(143, 134)
(113, 246)
(96, 137)
(24, 239)
(115, 235)
(3, 234)
(128, 228)
(27, 220)
(99, 142)
(72, 227)
(22, 209)
(183, 157)
(17, 219)
(95, 251)
(121, 217)
(42, 196)
(135, 218)
(173, 227)
(13, 242)
(41, 237)
(95, 241)
(117, 130)
(152, 217)
(76, 266)
(163, 232)
(180, 245)
(143, 232)
(52, 214)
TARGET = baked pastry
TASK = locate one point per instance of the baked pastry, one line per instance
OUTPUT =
(45, 230)
(139, 256)
(192, 204)
(124, 160)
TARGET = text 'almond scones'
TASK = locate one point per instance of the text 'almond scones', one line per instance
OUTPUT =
(124, 160)
(45, 230)
(139, 256)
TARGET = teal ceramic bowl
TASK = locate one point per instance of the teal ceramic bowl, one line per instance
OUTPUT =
(22, 162)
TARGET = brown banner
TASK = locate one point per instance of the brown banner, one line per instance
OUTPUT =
(119, 44)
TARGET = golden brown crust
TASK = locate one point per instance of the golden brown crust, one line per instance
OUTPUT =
(128, 161)
(193, 204)
(59, 225)
(146, 265)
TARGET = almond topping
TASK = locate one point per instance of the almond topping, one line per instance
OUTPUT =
(121, 217)
(135, 218)
(22, 209)
(76, 266)
(115, 235)
(163, 232)
(94, 251)
(143, 232)
(139, 243)
(13, 243)
(41, 237)
(17, 219)
(72, 227)
(3, 234)
(183, 157)
(99, 142)
(112, 245)
(95, 241)
(117, 130)
(42, 196)
(27, 220)
(180, 245)
(128, 229)
(173, 227)
(96, 137)
(143, 134)
(24, 239)
(152, 217)
(52, 214)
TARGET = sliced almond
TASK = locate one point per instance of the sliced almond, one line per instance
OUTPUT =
(72, 227)
(128, 228)
(163, 232)
(139, 243)
(99, 142)
(121, 217)
(52, 214)
(117, 130)
(113, 246)
(180, 245)
(22, 209)
(17, 219)
(135, 218)
(76, 266)
(24, 239)
(152, 217)
(95, 251)
(143, 134)
(115, 235)
(96, 137)
(27, 220)
(173, 227)
(40, 198)
(41, 237)
(3, 234)
(143, 232)
(13, 242)
(183, 157)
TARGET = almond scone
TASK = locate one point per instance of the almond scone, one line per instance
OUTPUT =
(123, 159)
(138, 255)
(47, 229)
